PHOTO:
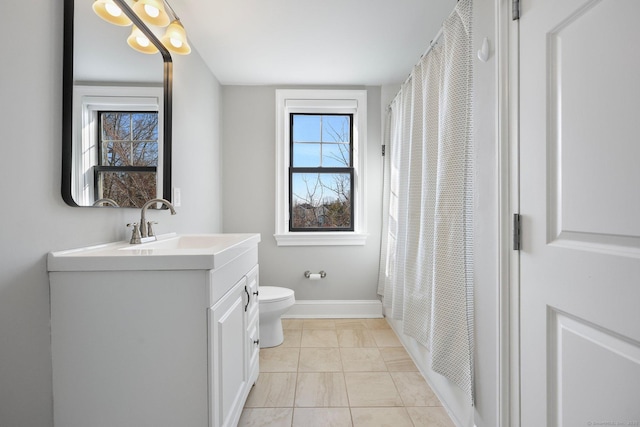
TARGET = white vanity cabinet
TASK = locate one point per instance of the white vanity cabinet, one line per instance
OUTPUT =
(158, 347)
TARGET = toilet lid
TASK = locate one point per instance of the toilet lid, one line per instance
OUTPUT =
(273, 293)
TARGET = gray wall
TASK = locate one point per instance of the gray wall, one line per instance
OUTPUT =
(249, 117)
(34, 219)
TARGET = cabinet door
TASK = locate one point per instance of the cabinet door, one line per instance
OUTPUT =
(228, 348)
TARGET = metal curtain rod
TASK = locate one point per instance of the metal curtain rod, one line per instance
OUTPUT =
(432, 44)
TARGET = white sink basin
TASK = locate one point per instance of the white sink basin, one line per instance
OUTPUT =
(187, 242)
(167, 252)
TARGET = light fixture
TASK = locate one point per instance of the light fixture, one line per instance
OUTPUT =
(111, 12)
(152, 12)
(138, 41)
(175, 38)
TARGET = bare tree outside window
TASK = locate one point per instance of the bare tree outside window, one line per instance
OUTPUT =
(128, 157)
(321, 172)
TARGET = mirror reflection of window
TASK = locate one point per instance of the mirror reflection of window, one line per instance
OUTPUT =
(127, 157)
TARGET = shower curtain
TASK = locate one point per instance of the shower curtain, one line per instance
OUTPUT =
(426, 266)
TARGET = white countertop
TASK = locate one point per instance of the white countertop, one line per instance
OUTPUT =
(168, 252)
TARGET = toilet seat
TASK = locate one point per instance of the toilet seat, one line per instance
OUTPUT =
(269, 294)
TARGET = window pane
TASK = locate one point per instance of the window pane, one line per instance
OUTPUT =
(128, 189)
(336, 155)
(116, 154)
(336, 129)
(145, 126)
(145, 154)
(306, 128)
(116, 126)
(321, 200)
(306, 155)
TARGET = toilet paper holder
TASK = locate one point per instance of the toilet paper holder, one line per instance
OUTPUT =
(309, 275)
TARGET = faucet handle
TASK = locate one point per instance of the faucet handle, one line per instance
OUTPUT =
(135, 234)
(150, 228)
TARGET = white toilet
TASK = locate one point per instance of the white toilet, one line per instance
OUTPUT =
(274, 302)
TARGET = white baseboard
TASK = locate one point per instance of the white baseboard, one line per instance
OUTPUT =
(335, 309)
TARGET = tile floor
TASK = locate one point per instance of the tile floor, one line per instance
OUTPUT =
(340, 372)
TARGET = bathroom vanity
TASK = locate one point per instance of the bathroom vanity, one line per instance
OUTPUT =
(158, 334)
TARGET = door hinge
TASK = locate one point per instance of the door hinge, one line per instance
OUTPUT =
(517, 232)
(384, 150)
(515, 10)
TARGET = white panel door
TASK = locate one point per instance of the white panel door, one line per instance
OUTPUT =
(580, 201)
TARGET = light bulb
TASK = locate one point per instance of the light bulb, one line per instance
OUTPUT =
(112, 9)
(175, 39)
(142, 41)
(110, 12)
(152, 11)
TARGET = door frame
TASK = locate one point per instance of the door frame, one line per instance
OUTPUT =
(507, 85)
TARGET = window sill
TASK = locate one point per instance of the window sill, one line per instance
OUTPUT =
(321, 239)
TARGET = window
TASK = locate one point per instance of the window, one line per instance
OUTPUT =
(321, 172)
(127, 157)
(320, 185)
(118, 149)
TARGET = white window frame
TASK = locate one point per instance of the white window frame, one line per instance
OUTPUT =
(318, 101)
(87, 101)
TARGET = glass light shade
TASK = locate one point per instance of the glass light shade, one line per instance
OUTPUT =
(111, 12)
(175, 39)
(152, 12)
(138, 41)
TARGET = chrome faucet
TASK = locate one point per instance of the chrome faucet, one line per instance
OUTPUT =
(146, 229)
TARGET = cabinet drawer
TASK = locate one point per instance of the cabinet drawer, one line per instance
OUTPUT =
(222, 279)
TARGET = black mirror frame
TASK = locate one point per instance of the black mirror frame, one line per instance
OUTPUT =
(67, 100)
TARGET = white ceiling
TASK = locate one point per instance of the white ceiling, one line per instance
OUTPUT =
(320, 42)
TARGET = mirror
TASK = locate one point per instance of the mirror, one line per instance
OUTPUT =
(116, 133)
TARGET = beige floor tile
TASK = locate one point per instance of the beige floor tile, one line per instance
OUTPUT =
(371, 389)
(362, 360)
(324, 359)
(377, 323)
(331, 386)
(279, 359)
(435, 416)
(397, 359)
(292, 323)
(319, 338)
(386, 338)
(292, 337)
(262, 417)
(381, 417)
(321, 389)
(319, 324)
(351, 323)
(322, 417)
(273, 390)
(355, 338)
(414, 390)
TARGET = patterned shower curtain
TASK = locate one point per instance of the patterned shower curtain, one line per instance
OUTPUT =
(426, 266)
